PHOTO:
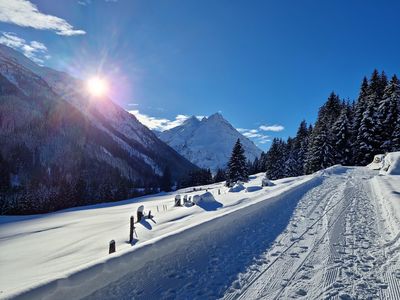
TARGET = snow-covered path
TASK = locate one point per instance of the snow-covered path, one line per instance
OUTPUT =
(341, 243)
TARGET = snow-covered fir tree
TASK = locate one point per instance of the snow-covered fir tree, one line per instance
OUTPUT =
(359, 109)
(300, 147)
(275, 159)
(237, 165)
(291, 157)
(321, 153)
(388, 113)
(342, 136)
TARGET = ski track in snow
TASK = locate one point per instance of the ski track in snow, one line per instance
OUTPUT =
(333, 248)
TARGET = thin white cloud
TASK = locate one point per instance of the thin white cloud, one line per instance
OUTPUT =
(159, 124)
(34, 50)
(274, 128)
(255, 135)
(26, 14)
(87, 2)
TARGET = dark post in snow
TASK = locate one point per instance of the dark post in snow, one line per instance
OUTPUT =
(149, 216)
(140, 213)
(178, 200)
(111, 248)
(219, 192)
(132, 228)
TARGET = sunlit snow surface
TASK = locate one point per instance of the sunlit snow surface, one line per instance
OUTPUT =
(330, 234)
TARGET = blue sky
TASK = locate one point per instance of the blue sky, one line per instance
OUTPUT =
(259, 63)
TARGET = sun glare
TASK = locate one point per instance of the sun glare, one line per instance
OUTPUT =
(97, 86)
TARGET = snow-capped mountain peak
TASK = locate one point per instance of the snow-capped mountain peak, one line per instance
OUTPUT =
(208, 143)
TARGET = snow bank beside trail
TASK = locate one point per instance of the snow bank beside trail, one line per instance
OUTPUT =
(387, 164)
(391, 164)
(377, 163)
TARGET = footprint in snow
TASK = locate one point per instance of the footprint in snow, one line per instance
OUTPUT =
(301, 292)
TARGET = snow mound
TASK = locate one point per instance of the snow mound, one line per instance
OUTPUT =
(391, 164)
(266, 182)
(207, 201)
(377, 163)
(237, 188)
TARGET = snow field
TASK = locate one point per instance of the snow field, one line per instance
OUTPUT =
(65, 254)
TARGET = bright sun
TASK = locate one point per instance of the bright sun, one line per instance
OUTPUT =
(97, 86)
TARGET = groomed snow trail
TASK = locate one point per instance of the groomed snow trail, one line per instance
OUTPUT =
(339, 244)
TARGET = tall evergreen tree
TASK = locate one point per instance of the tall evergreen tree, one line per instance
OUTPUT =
(237, 167)
(4, 175)
(321, 153)
(166, 181)
(360, 107)
(388, 113)
(219, 176)
(276, 159)
(396, 136)
(291, 156)
(300, 147)
(342, 136)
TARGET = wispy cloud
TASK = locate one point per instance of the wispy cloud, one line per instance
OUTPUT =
(274, 128)
(34, 50)
(159, 124)
(26, 14)
(255, 135)
(87, 2)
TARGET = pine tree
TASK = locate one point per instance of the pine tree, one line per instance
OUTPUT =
(388, 113)
(300, 147)
(342, 136)
(237, 168)
(166, 181)
(276, 159)
(255, 166)
(370, 132)
(262, 162)
(321, 152)
(4, 175)
(291, 164)
(366, 136)
(360, 107)
(396, 136)
(219, 176)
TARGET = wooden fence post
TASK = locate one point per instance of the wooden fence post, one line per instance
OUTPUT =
(132, 228)
(111, 248)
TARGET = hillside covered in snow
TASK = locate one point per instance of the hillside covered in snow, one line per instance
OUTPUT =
(208, 142)
(61, 148)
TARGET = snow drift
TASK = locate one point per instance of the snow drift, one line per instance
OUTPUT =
(387, 164)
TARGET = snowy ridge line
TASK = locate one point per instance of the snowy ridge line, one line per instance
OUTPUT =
(242, 292)
(93, 276)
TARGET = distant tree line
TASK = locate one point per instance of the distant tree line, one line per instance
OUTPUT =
(346, 133)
